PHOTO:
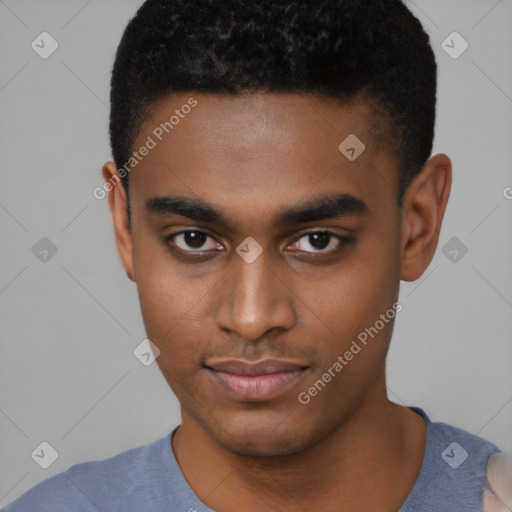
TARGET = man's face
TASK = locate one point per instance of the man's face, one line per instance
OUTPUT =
(213, 311)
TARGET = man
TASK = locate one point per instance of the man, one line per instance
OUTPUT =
(272, 183)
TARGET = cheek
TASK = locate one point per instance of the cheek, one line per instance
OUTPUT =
(353, 350)
(354, 297)
(176, 310)
(350, 305)
(163, 295)
(172, 313)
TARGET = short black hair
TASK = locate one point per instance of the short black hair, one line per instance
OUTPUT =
(330, 48)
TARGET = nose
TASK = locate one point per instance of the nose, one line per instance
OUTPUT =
(255, 300)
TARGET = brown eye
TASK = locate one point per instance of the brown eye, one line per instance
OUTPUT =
(192, 240)
(319, 242)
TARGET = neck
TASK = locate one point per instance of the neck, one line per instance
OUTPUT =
(369, 461)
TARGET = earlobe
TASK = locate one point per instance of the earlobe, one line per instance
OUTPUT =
(424, 205)
(118, 204)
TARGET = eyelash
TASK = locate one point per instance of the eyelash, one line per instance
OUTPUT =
(344, 242)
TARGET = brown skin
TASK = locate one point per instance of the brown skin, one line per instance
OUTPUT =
(349, 448)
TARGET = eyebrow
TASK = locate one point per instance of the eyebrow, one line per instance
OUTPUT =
(321, 208)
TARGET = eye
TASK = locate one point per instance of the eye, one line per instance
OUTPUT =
(193, 241)
(320, 242)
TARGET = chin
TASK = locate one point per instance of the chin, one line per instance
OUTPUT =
(261, 437)
(261, 445)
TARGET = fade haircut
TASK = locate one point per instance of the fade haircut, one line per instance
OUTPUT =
(341, 49)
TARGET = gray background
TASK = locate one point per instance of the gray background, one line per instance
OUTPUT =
(70, 324)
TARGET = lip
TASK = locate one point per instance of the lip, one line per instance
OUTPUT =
(255, 381)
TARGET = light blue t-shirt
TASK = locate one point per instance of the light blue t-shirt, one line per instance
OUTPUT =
(148, 479)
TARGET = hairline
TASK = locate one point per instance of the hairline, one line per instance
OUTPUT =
(379, 137)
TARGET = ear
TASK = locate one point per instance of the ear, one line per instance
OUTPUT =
(424, 204)
(118, 204)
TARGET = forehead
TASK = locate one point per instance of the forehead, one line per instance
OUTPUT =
(262, 118)
(261, 147)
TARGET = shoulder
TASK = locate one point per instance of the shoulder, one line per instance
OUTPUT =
(460, 449)
(91, 486)
(454, 471)
(499, 475)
